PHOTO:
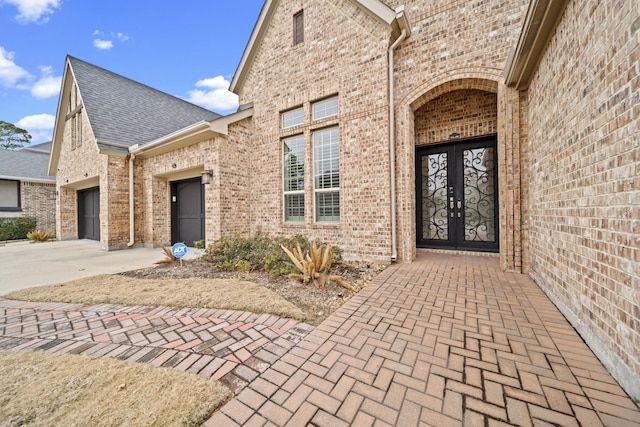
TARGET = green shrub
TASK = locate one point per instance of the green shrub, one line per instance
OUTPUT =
(16, 228)
(257, 253)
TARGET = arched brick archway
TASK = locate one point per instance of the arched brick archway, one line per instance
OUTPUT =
(510, 138)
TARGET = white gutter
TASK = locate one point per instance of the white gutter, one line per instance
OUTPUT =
(404, 24)
(189, 130)
(132, 237)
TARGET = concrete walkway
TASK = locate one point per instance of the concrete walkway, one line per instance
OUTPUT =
(443, 341)
(26, 264)
(447, 340)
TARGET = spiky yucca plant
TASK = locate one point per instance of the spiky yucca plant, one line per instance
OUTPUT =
(169, 257)
(39, 235)
(314, 265)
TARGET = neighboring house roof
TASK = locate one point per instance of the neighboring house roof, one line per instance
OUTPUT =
(27, 164)
(126, 112)
(43, 147)
(375, 8)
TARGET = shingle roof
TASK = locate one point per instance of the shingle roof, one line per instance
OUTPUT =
(26, 164)
(126, 112)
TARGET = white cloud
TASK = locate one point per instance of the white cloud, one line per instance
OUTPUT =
(39, 126)
(46, 87)
(37, 122)
(10, 73)
(215, 95)
(14, 76)
(104, 41)
(103, 44)
(34, 10)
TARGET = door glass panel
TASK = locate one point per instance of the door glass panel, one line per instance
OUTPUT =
(479, 195)
(435, 223)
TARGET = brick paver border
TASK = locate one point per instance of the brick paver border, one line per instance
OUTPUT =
(233, 347)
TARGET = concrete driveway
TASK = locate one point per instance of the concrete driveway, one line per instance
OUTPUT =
(26, 264)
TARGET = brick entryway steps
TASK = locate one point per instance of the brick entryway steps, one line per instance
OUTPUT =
(444, 341)
(230, 346)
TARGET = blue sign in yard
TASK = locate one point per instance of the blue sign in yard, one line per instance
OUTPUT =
(179, 250)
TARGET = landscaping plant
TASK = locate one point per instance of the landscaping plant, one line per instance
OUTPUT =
(257, 253)
(16, 228)
(39, 235)
(169, 256)
(314, 265)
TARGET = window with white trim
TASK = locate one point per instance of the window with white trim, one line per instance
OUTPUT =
(9, 195)
(325, 108)
(293, 178)
(326, 174)
(292, 117)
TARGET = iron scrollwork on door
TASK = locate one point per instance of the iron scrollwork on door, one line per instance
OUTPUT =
(479, 195)
(434, 197)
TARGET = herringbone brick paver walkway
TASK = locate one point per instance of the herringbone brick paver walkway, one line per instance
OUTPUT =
(444, 341)
(230, 346)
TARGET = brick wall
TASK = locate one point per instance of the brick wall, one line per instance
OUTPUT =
(81, 166)
(38, 200)
(584, 175)
(469, 113)
(78, 168)
(153, 176)
(458, 48)
(344, 53)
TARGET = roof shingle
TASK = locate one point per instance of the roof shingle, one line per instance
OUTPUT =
(125, 112)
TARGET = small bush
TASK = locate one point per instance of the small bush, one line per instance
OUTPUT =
(16, 228)
(257, 253)
(39, 235)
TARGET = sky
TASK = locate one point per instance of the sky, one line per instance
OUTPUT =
(189, 49)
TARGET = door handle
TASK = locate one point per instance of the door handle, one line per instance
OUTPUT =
(451, 202)
(459, 204)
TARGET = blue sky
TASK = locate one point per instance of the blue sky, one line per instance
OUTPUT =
(189, 49)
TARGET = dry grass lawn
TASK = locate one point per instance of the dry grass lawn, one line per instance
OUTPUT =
(228, 294)
(40, 389)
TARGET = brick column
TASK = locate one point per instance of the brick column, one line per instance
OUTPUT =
(405, 184)
(509, 172)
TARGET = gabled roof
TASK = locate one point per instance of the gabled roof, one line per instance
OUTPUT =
(375, 8)
(27, 164)
(123, 111)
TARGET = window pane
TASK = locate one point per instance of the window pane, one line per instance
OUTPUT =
(294, 207)
(326, 166)
(293, 177)
(292, 117)
(326, 108)
(328, 207)
(293, 160)
(9, 194)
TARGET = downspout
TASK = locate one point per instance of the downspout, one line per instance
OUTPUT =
(131, 206)
(392, 150)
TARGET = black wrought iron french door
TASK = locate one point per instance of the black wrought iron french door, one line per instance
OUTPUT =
(457, 195)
